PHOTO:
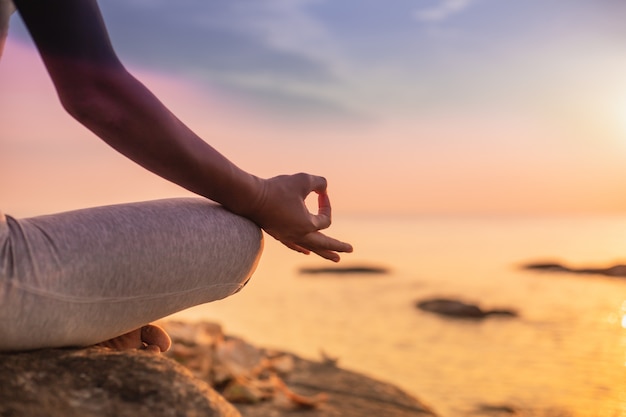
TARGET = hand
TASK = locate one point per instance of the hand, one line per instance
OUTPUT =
(282, 213)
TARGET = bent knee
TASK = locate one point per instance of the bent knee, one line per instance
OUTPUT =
(253, 249)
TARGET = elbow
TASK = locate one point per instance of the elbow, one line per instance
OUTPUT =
(87, 105)
(82, 106)
(94, 101)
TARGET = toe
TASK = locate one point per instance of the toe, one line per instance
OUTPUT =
(153, 335)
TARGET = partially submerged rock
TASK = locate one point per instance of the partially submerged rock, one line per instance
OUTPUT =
(495, 410)
(346, 270)
(456, 308)
(618, 270)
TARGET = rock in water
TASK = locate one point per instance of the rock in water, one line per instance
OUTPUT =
(345, 270)
(100, 382)
(460, 309)
(611, 271)
(452, 308)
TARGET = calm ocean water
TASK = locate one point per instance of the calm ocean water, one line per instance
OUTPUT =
(564, 356)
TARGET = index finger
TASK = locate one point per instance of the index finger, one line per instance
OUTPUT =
(318, 184)
(323, 218)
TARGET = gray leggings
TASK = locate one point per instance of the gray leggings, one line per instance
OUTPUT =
(85, 276)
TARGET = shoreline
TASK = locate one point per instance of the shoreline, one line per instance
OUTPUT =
(207, 373)
(264, 382)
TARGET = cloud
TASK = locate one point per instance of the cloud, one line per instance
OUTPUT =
(443, 10)
(284, 25)
(278, 49)
(214, 37)
(273, 48)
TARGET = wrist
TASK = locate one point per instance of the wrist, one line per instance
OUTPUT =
(244, 195)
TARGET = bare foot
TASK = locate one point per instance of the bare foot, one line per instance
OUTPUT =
(149, 337)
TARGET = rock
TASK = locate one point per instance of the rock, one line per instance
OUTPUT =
(344, 270)
(448, 307)
(615, 271)
(269, 383)
(101, 382)
(495, 410)
(547, 266)
(460, 309)
(264, 383)
(611, 271)
(349, 394)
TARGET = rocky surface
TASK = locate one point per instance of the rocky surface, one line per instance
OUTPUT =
(101, 382)
(205, 374)
(266, 383)
(610, 271)
(348, 394)
(460, 309)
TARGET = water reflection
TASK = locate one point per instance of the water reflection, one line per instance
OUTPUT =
(566, 354)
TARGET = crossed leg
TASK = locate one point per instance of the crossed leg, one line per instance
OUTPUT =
(99, 276)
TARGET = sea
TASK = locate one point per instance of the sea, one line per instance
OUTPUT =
(563, 356)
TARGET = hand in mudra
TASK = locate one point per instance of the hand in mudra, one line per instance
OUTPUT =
(281, 211)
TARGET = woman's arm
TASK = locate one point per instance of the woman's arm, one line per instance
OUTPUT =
(95, 88)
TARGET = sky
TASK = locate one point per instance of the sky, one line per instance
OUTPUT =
(406, 106)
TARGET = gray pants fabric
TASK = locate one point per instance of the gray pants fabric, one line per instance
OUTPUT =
(85, 276)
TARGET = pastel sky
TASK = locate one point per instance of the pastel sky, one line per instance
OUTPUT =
(405, 105)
